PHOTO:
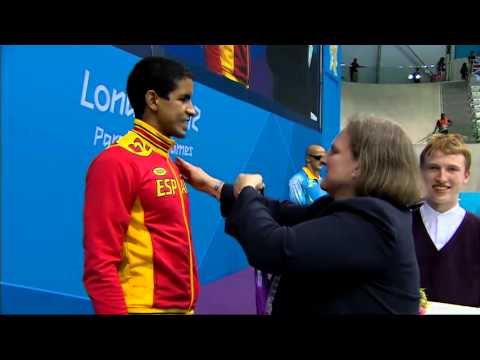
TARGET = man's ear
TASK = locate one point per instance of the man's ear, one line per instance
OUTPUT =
(467, 177)
(151, 100)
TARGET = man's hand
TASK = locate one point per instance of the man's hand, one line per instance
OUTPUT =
(243, 180)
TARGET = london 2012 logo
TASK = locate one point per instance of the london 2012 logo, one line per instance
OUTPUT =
(192, 123)
(104, 99)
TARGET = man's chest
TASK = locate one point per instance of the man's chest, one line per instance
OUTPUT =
(161, 191)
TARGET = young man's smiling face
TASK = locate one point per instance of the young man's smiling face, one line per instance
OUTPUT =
(444, 177)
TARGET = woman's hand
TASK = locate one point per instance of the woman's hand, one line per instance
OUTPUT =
(198, 178)
(243, 180)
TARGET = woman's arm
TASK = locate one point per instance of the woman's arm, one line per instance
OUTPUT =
(285, 213)
(338, 242)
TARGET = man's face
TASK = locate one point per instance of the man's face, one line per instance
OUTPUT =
(173, 114)
(444, 177)
(315, 155)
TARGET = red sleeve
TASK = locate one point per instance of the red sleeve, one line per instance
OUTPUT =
(110, 192)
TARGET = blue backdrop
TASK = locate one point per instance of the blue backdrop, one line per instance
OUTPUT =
(62, 105)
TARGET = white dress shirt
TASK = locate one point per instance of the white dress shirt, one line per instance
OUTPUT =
(441, 226)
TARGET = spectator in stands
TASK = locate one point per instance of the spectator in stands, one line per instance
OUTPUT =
(441, 69)
(354, 70)
(348, 253)
(464, 71)
(447, 237)
(442, 124)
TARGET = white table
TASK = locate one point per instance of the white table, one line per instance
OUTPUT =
(437, 308)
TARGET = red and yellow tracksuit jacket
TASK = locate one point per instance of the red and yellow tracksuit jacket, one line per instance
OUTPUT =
(231, 61)
(139, 256)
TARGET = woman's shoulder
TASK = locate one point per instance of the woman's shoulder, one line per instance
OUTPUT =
(388, 219)
(370, 203)
(374, 209)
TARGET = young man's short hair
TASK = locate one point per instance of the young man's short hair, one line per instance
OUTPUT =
(448, 144)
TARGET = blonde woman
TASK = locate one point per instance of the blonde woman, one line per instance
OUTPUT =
(348, 253)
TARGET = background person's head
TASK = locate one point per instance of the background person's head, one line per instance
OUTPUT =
(313, 157)
(445, 166)
(374, 157)
(160, 92)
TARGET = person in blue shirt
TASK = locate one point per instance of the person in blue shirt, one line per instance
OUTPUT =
(304, 186)
(304, 189)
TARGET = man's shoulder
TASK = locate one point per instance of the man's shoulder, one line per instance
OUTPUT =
(134, 144)
(415, 208)
(298, 177)
(110, 160)
(129, 146)
(124, 152)
(110, 153)
(473, 218)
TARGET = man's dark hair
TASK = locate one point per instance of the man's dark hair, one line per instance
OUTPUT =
(153, 73)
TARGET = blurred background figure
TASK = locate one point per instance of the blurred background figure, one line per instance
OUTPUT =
(441, 69)
(464, 71)
(354, 70)
(442, 124)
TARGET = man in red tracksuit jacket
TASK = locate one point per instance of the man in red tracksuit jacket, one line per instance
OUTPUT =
(139, 255)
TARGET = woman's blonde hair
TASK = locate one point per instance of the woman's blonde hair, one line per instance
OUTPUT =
(388, 164)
